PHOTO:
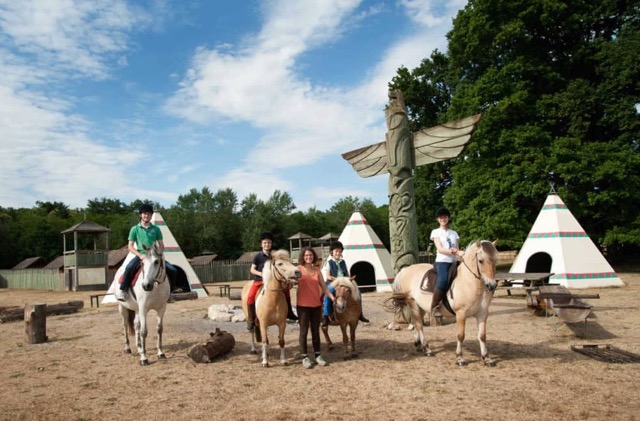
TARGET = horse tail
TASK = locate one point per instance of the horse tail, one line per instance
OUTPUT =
(399, 303)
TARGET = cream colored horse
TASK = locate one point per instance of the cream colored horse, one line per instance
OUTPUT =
(347, 309)
(271, 306)
(469, 296)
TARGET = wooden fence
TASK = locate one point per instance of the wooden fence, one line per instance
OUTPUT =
(223, 271)
(49, 279)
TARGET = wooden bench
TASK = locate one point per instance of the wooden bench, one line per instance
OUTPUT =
(224, 290)
(96, 297)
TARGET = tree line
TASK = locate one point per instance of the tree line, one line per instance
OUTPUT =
(200, 220)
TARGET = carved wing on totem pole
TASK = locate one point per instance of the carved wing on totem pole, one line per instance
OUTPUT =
(430, 145)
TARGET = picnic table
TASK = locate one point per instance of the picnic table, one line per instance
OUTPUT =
(527, 282)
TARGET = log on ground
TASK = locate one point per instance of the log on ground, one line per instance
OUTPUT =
(180, 296)
(10, 314)
(218, 344)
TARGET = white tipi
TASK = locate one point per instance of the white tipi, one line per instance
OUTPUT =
(173, 254)
(559, 245)
(365, 255)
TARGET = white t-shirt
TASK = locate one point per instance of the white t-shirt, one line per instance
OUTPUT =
(448, 239)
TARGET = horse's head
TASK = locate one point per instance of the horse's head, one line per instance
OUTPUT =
(344, 291)
(485, 257)
(153, 269)
(281, 269)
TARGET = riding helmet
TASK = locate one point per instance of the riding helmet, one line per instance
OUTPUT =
(145, 207)
(443, 212)
(266, 236)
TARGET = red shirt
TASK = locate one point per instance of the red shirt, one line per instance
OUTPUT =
(309, 292)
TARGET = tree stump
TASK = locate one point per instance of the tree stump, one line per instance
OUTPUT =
(35, 318)
(219, 343)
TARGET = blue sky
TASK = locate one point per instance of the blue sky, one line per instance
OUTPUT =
(149, 99)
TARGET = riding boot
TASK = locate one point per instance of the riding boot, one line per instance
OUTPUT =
(290, 314)
(438, 295)
(251, 317)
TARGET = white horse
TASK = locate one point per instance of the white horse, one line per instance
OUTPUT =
(150, 292)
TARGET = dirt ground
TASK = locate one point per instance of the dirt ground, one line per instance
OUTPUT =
(82, 374)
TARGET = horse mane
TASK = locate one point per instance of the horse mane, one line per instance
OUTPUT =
(487, 248)
(344, 281)
(280, 255)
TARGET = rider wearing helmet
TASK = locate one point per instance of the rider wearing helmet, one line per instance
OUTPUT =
(143, 234)
(446, 241)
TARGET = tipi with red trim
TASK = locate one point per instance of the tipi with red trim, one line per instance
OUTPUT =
(365, 255)
(558, 244)
(174, 255)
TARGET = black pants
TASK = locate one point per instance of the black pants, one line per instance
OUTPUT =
(309, 318)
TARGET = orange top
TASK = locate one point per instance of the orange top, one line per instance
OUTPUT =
(309, 291)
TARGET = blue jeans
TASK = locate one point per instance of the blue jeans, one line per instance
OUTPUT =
(327, 306)
(442, 269)
(172, 273)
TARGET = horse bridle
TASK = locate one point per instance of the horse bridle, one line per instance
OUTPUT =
(478, 276)
(282, 279)
(161, 276)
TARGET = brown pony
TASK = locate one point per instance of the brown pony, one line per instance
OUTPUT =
(469, 296)
(347, 309)
(271, 306)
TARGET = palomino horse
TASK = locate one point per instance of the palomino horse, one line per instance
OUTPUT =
(150, 292)
(271, 306)
(347, 309)
(469, 296)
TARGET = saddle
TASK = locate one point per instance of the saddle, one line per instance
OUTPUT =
(136, 273)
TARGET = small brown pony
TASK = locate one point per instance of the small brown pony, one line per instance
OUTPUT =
(347, 309)
(469, 296)
(271, 306)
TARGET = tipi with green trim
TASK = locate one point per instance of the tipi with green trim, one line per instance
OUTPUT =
(558, 244)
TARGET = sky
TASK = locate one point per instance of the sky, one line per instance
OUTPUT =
(148, 99)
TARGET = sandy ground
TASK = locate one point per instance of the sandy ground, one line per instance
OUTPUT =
(82, 374)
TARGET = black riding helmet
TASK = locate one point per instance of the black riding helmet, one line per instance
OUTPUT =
(443, 212)
(266, 236)
(145, 207)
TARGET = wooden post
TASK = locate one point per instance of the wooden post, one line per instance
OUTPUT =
(35, 318)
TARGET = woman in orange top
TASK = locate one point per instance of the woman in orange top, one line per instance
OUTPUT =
(311, 287)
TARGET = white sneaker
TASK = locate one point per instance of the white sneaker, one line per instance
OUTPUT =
(121, 295)
(306, 363)
(321, 361)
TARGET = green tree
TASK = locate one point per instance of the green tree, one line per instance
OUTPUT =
(558, 85)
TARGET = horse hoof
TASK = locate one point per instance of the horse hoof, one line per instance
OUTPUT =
(461, 363)
(429, 353)
(126, 351)
(162, 356)
(253, 351)
(354, 355)
(265, 365)
(489, 363)
(144, 362)
(284, 363)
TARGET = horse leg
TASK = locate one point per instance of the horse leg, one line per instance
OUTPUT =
(159, 329)
(345, 340)
(461, 321)
(252, 332)
(353, 327)
(419, 340)
(265, 346)
(482, 338)
(281, 329)
(125, 322)
(142, 320)
(325, 332)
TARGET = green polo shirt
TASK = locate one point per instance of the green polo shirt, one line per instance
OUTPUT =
(146, 236)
